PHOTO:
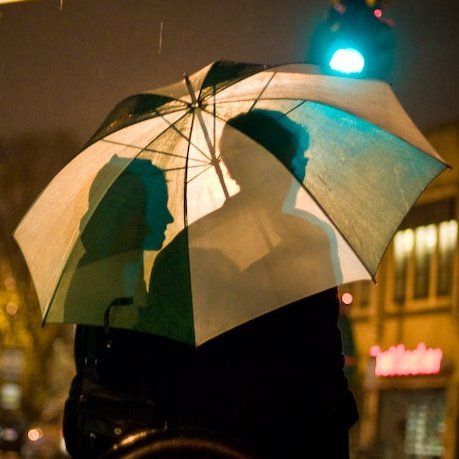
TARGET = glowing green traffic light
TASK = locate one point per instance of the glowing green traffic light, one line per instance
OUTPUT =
(347, 60)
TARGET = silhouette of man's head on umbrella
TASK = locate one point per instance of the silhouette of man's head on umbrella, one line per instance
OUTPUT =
(284, 139)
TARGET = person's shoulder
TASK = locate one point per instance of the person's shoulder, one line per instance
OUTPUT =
(329, 296)
(174, 251)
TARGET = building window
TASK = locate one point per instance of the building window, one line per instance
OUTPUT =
(424, 251)
(425, 425)
(403, 247)
(365, 293)
(447, 248)
(412, 424)
(430, 249)
(425, 241)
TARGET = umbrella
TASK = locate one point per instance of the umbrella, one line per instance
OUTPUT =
(202, 205)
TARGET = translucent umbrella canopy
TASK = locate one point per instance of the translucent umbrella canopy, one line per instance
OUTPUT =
(225, 196)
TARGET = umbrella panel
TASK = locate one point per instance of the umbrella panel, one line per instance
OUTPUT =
(354, 169)
(370, 100)
(260, 249)
(123, 226)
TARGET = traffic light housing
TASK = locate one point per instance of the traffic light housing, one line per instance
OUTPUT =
(356, 38)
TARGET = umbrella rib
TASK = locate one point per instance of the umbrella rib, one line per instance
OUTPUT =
(215, 119)
(165, 153)
(262, 91)
(185, 223)
(294, 108)
(188, 139)
(249, 99)
(96, 137)
(195, 166)
(199, 173)
(213, 159)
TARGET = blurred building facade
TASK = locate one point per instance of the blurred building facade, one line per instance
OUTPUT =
(35, 368)
(36, 363)
(406, 329)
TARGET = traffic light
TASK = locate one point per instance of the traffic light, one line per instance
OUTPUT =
(347, 60)
(356, 38)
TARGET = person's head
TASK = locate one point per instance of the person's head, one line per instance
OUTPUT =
(132, 215)
(283, 138)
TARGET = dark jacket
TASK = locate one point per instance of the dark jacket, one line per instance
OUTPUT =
(276, 382)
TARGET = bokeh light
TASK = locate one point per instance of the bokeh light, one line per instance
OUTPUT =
(347, 298)
(12, 309)
(347, 60)
(35, 434)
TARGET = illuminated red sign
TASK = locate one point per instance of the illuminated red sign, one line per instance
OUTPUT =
(398, 361)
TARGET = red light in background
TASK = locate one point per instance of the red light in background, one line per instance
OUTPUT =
(378, 12)
(347, 298)
(340, 8)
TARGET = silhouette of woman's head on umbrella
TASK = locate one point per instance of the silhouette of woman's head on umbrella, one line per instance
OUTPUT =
(133, 213)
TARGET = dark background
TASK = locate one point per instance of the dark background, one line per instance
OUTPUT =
(63, 69)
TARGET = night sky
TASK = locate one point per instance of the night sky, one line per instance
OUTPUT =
(62, 70)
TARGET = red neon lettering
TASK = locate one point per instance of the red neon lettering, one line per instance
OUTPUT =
(398, 361)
